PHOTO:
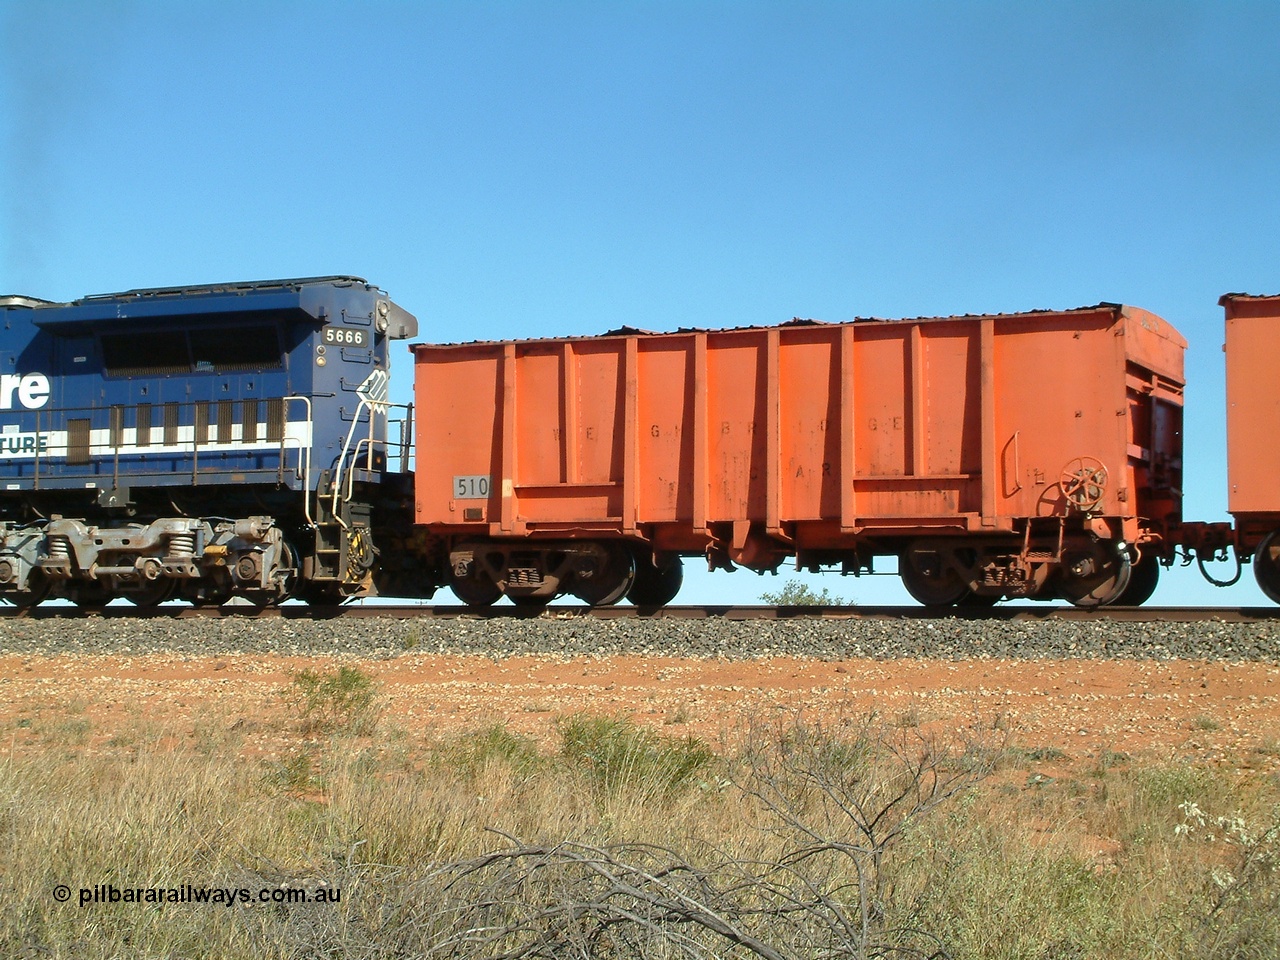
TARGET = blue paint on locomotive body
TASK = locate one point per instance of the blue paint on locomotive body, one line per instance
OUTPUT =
(233, 384)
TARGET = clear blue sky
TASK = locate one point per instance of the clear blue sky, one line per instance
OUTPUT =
(535, 169)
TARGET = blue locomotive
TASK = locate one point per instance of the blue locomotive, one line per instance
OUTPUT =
(202, 443)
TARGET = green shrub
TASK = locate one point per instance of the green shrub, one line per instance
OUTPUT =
(616, 754)
(797, 593)
(335, 702)
(470, 753)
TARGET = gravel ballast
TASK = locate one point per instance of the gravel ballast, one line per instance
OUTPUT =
(579, 636)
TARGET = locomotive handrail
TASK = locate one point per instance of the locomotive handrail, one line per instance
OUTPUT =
(304, 453)
(351, 474)
(406, 438)
(342, 456)
(104, 457)
(375, 407)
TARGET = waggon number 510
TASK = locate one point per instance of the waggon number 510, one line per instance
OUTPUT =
(471, 488)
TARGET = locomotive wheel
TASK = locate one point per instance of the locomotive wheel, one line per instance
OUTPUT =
(203, 593)
(287, 582)
(319, 594)
(152, 593)
(89, 594)
(1101, 585)
(1143, 579)
(39, 589)
(939, 587)
(611, 582)
(476, 589)
(216, 600)
(1266, 566)
(656, 586)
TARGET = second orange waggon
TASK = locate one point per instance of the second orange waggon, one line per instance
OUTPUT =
(1253, 418)
(1017, 455)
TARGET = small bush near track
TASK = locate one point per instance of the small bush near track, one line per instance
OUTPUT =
(616, 755)
(339, 701)
(797, 593)
(857, 840)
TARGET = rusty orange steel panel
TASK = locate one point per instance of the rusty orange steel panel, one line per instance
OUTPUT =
(808, 432)
(1253, 405)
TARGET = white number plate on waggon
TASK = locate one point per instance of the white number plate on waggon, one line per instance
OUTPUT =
(471, 488)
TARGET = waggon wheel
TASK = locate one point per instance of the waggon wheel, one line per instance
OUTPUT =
(656, 586)
(1143, 579)
(1266, 566)
(929, 580)
(611, 582)
(475, 589)
(1094, 578)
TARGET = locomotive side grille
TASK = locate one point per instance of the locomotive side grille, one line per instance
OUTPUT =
(78, 440)
(202, 423)
(226, 416)
(249, 416)
(275, 420)
(144, 425)
(170, 424)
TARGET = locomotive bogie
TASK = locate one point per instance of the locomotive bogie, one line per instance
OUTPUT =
(148, 563)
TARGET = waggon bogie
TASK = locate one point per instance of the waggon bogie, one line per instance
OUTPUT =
(1078, 567)
(598, 573)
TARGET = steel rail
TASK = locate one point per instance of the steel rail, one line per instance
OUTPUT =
(701, 612)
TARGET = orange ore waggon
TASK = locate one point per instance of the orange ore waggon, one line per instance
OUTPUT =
(1017, 455)
(1253, 419)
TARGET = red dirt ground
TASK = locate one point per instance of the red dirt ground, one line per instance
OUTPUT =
(1215, 712)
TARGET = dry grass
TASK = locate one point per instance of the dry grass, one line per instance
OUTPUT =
(982, 853)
